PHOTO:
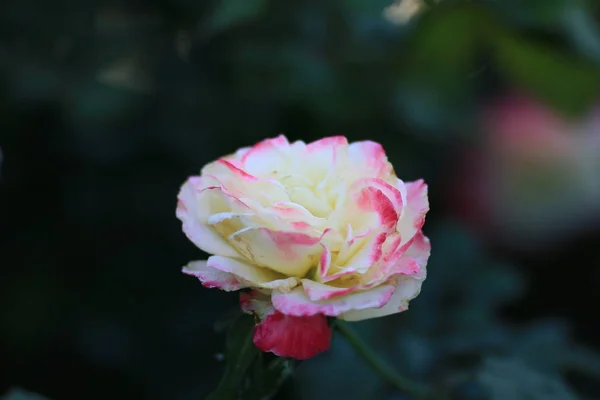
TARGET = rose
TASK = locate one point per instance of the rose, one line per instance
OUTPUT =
(532, 180)
(316, 230)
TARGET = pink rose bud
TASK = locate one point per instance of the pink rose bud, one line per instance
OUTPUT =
(316, 230)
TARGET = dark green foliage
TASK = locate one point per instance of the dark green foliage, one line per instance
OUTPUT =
(249, 374)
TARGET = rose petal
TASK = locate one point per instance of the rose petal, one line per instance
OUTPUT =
(401, 259)
(364, 254)
(298, 303)
(326, 153)
(267, 158)
(394, 194)
(336, 275)
(372, 200)
(372, 156)
(404, 266)
(294, 337)
(290, 253)
(224, 213)
(240, 183)
(324, 261)
(401, 186)
(213, 278)
(310, 201)
(406, 290)
(413, 214)
(236, 170)
(197, 230)
(327, 144)
(319, 291)
(257, 303)
(255, 276)
(323, 156)
(288, 213)
(347, 249)
(283, 335)
(419, 249)
(224, 216)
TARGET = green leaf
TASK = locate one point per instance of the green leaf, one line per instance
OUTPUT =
(240, 353)
(229, 13)
(445, 43)
(534, 13)
(564, 82)
(440, 65)
(583, 31)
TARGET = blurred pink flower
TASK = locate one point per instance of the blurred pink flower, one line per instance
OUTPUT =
(534, 178)
(316, 230)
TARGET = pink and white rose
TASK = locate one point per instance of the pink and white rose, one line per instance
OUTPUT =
(316, 230)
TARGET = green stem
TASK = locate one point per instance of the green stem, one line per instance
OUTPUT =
(382, 368)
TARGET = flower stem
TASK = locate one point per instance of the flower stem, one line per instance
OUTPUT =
(382, 368)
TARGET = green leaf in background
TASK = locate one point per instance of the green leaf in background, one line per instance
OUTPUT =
(564, 82)
(534, 13)
(544, 11)
(240, 353)
(583, 31)
(228, 13)
(437, 83)
(444, 45)
(20, 394)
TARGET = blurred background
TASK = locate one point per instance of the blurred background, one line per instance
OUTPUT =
(107, 106)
